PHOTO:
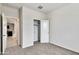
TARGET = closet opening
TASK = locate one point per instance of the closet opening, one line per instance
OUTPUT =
(37, 31)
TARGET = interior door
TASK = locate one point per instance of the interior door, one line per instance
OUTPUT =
(4, 33)
(44, 31)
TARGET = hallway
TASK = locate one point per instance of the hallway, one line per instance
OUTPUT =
(39, 49)
(11, 42)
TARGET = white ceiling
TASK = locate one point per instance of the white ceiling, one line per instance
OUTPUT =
(47, 7)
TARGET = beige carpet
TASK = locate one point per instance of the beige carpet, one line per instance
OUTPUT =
(39, 49)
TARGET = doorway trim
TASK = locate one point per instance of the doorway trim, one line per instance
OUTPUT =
(1, 36)
(17, 19)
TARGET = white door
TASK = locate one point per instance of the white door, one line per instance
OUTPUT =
(44, 31)
(4, 33)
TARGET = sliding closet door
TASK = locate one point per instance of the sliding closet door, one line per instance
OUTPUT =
(44, 31)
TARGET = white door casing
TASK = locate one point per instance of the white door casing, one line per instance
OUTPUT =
(4, 32)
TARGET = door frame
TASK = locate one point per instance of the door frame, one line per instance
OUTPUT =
(1, 36)
(2, 48)
(17, 19)
(40, 29)
(2, 31)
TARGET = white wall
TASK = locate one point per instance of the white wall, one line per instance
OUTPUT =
(10, 11)
(64, 27)
(0, 28)
(0, 34)
(27, 16)
(0, 8)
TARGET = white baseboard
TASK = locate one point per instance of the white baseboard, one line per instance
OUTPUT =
(44, 42)
(27, 46)
(69, 48)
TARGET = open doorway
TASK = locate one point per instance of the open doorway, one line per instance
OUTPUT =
(12, 32)
(36, 30)
(9, 27)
